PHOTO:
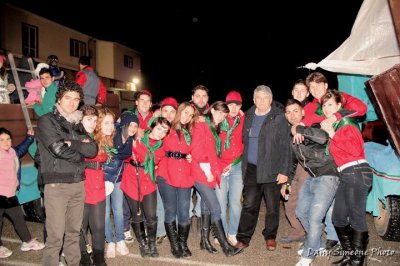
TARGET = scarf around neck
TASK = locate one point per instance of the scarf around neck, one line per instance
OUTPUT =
(149, 159)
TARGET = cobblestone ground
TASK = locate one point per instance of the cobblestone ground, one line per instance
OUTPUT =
(381, 252)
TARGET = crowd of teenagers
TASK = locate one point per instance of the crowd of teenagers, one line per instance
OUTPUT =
(143, 170)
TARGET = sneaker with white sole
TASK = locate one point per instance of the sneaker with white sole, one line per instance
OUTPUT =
(122, 248)
(304, 262)
(32, 245)
(5, 252)
(232, 239)
(128, 236)
(110, 253)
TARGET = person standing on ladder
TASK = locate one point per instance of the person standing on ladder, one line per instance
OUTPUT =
(94, 90)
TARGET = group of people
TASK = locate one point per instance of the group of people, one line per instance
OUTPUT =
(230, 158)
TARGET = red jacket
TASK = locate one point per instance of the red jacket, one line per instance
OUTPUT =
(176, 172)
(235, 149)
(81, 80)
(351, 103)
(203, 151)
(94, 182)
(129, 183)
(347, 145)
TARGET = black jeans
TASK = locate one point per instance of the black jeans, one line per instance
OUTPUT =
(18, 220)
(92, 218)
(351, 197)
(252, 193)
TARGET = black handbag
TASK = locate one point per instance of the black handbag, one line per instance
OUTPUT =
(10, 202)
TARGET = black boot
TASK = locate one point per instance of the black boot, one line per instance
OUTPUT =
(173, 239)
(183, 234)
(359, 243)
(98, 257)
(218, 231)
(151, 237)
(205, 234)
(85, 259)
(138, 229)
(345, 235)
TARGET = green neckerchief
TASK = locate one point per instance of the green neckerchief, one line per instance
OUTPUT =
(149, 159)
(225, 127)
(216, 137)
(187, 136)
(338, 124)
(237, 160)
(319, 111)
(110, 152)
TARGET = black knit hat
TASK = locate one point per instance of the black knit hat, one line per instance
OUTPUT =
(128, 117)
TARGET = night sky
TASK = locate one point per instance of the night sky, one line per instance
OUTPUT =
(224, 47)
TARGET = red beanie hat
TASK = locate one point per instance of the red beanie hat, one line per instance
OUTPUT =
(233, 97)
(169, 101)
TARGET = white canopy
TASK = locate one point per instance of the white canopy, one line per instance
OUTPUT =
(372, 46)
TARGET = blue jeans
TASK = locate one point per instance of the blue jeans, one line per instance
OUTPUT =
(160, 214)
(329, 228)
(315, 198)
(229, 193)
(176, 202)
(197, 208)
(115, 200)
(209, 201)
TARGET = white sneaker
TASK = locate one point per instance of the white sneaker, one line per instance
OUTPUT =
(232, 239)
(300, 251)
(32, 245)
(110, 253)
(304, 262)
(5, 252)
(128, 236)
(122, 248)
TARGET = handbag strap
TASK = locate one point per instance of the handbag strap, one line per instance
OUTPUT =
(119, 171)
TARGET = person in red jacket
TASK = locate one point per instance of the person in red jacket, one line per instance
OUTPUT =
(175, 180)
(139, 184)
(206, 171)
(94, 91)
(347, 149)
(95, 201)
(229, 192)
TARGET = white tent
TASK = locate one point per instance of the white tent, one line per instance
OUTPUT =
(372, 46)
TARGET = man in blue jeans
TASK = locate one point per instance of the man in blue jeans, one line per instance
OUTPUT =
(319, 189)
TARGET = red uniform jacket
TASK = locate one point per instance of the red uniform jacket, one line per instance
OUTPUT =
(129, 183)
(347, 145)
(94, 182)
(351, 103)
(235, 149)
(203, 151)
(176, 172)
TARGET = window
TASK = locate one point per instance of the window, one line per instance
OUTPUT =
(128, 61)
(30, 40)
(77, 48)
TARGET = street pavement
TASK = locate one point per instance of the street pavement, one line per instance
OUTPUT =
(381, 252)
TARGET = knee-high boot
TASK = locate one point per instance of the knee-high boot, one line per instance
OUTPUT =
(151, 237)
(138, 229)
(359, 243)
(205, 234)
(183, 234)
(345, 235)
(98, 257)
(172, 234)
(218, 231)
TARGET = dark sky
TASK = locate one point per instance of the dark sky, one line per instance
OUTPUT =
(224, 47)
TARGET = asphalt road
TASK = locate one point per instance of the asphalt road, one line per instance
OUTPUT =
(381, 252)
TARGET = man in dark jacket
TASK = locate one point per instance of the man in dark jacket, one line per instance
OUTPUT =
(62, 148)
(265, 165)
(319, 189)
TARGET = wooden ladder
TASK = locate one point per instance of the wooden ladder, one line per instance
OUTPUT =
(18, 86)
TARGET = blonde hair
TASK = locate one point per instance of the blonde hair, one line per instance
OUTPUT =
(99, 138)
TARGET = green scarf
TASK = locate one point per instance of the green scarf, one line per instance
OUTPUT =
(110, 152)
(187, 136)
(225, 127)
(338, 124)
(149, 159)
(216, 137)
(319, 111)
